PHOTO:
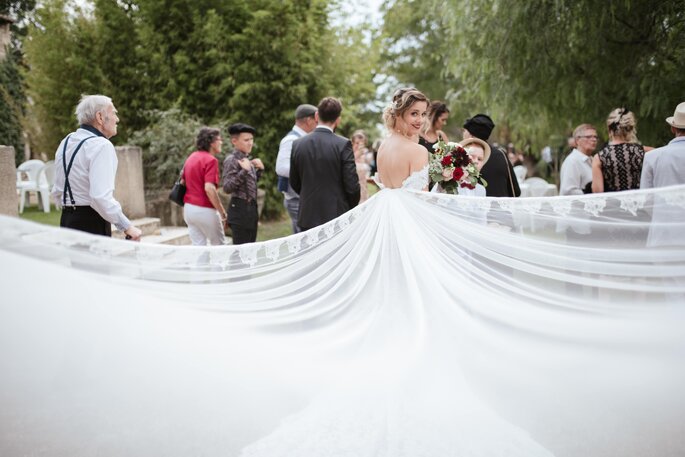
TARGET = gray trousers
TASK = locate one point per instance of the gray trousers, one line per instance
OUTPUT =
(293, 207)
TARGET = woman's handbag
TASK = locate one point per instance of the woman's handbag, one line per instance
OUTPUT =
(178, 191)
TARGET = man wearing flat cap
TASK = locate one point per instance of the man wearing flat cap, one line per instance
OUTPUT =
(305, 122)
(498, 172)
(239, 178)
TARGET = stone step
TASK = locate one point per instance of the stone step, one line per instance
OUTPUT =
(169, 235)
(149, 226)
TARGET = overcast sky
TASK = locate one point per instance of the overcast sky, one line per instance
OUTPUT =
(358, 10)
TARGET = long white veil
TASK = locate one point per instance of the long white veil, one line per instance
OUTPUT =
(415, 324)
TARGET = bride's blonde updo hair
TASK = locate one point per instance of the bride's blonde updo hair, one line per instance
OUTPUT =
(402, 100)
(622, 125)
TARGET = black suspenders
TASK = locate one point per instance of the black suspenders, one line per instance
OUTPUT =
(67, 169)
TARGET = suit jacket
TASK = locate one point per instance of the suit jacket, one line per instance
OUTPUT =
(497, 172)
(323, 172)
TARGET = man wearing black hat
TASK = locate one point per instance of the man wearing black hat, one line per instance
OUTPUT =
(239, 178)
(322, 170)
(305, 122)
(497, 171)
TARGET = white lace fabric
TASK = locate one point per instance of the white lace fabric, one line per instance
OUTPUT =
(417, 180)
(417, 324)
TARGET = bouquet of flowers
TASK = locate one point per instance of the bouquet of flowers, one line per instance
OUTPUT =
(452, 168)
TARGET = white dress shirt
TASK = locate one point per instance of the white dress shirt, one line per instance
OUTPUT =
(91, 177)
(285, 149)
(576, 173)
(664, 166)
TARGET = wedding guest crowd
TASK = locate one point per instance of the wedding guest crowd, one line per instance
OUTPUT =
(322, 175)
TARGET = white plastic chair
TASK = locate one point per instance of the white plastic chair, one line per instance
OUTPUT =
(40, 178)
(538, 187)
(46, 178)
(520, 171)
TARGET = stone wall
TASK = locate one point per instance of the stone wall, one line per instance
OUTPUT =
(128, 186)
(157, 204)
(8, 182)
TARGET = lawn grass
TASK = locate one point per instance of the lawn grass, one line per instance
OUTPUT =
(32, 213)
(269, 230)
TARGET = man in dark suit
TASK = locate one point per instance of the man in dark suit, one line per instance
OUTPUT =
(322, 170)
(497, 171)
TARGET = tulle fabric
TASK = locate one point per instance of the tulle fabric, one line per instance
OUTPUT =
(417, 324)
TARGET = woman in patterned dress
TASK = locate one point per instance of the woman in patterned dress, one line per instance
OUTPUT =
(619, 164)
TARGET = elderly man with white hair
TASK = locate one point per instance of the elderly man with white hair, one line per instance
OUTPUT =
(86, 165)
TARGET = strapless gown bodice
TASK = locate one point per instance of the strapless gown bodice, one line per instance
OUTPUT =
(418, 180)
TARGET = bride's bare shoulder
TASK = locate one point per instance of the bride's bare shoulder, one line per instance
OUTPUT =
(419, 154)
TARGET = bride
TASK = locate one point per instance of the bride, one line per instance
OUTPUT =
(406, 327)
(413, 402)
(399, 156)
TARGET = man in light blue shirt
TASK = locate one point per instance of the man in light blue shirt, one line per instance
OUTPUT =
(305, 122)
(665, 166)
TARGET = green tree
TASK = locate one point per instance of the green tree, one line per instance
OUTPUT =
(417, 52)
(12, 86)
(117, 53)
(213, 61)
(354, 75)
(61, 54)
(11, 104)
(543, 67)
(166, 143)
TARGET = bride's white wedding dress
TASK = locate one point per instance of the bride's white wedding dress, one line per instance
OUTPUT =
(406, 327)
(417, 405)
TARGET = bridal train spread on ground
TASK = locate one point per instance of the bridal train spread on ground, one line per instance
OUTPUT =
(417, 324)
